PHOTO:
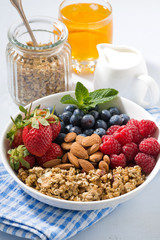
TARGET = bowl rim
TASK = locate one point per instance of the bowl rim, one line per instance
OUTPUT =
(69, 202)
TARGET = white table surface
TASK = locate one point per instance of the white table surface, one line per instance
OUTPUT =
(136, 23)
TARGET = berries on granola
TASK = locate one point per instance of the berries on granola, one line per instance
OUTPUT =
(118, 160)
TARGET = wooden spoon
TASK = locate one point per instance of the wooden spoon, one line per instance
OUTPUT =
(18, 5)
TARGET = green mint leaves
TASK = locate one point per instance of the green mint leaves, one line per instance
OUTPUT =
(86, 100)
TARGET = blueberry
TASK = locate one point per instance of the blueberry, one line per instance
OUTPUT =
(87, 121)
(78, 112)
(66, 117)
(115, 120)
(125, 118)
(88, 132)
(105, 115)
(96, 108)
(76, 129)
(100, 131)
(60, 138)
(60, 116)
(114, 111)
(101, 124)
(62, 127)
(69, 108)
(95, 114)
(75, 120)
(68, 127)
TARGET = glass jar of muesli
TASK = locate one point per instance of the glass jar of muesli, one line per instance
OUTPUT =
(38, 71)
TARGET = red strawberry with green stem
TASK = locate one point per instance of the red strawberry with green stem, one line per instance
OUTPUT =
(37, 135)
(53, 152)
(20, 158)
(15, 133)
(52, 119)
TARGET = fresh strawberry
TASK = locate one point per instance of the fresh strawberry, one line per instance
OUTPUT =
(55, 125)
(20, 158)
(150, 146)
(145, 161)
(52, 119)
(147, 128)
(53, 152)
(37, 136)
(15, 133)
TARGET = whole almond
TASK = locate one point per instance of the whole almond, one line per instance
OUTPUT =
(96, 157)
(93, 149)
(66, 146)
(79, 139)
(65, 158)
(91, 140)
(52, 163)
(70, 137)
(103, 166)
(106, 159)
(79, 151)
(73, 159)
(86, 166)
(64, 166)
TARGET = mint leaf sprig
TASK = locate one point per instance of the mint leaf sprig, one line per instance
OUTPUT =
(86, 100)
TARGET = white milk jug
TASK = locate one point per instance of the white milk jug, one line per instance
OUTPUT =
(123, 68)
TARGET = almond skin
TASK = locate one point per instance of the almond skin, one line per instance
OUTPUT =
(66, 146)
(52, 163)
(73, 160)
(91, 140)
(79, 151)
(64, 166)
(70, 137)
(103, 166)
(86, 166)
(96, 157)
(79, 139)
(106, 159)
(65, 158)
(93, 149)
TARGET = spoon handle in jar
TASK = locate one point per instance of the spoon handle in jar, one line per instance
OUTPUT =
(18, 5)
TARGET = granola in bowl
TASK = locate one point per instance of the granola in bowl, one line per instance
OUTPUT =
(74, 185)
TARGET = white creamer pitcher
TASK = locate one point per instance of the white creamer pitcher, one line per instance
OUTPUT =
(123, 68)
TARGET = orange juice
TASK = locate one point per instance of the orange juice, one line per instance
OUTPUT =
(88, 24)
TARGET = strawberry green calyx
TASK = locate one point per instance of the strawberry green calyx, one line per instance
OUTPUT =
(17, 157)
(35, 120)
(18, 124)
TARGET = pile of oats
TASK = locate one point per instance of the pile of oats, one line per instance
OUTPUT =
(74, 185)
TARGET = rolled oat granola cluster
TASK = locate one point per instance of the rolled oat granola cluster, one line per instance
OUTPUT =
(74, 185)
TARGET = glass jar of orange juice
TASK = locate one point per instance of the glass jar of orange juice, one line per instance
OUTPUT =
(89, 23)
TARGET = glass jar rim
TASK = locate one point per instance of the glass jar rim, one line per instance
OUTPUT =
(16, 25)
(81, 23)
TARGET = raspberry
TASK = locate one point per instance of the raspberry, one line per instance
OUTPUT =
(133, 121)
(146, 162)
(123, 135)
(137, 137)
(147, 128)
(118, 160)
(112, 129)
(110, 146)
(150, 146)
(105, 138)
(130, 150)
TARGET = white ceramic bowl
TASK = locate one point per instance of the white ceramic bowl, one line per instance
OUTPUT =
(125, 106)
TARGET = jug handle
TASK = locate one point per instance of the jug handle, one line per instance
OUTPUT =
(152, 87)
